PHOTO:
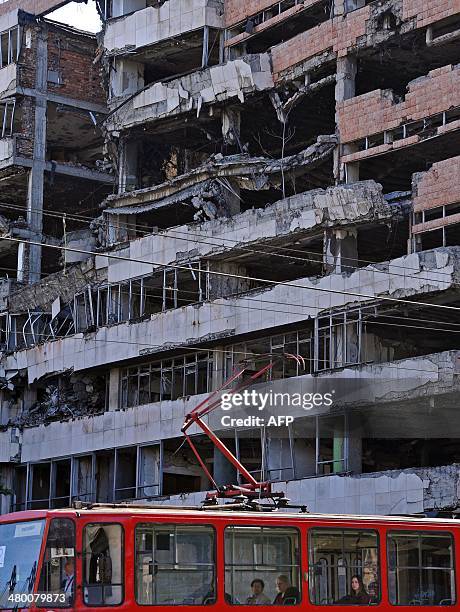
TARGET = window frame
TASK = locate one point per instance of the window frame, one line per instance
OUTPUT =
(123, 561)
(71, 603)
(379, 565)
(156, 523)
(171, 370)
(420, 568)
(262, 527)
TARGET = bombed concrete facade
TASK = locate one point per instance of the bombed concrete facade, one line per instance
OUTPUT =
(208, 181)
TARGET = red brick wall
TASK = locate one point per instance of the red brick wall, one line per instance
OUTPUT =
(25, 109)
(429, 11)
(239, 10)
(339, 34)
(72, 57)
(375, 112)
(236, 11)
(439, 186)
(27, 59)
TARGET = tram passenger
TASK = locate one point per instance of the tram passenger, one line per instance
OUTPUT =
(68, 582)
(358, 594)
(288, 595)
(258, 597)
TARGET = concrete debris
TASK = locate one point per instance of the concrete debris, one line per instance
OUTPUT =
(235, 79)
(249, 172)
(69, 398)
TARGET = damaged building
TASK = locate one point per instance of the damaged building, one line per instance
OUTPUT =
(205, 182)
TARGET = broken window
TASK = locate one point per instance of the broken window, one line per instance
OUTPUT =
(104, 476)
(152, 295)
(125, 473)
(181, 287)
(166, 380)
(83, 477)
(20, 488)
(294, 343)
(311, 446)
(331, 444)
(60, 484)
(39, 486)
(338, 340)
(248, 450)
(83, 311)
(7, 118)
(102, 306)
(9, 46)
(149, 460)
(148, 295)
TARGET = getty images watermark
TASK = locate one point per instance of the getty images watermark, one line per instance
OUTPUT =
(270, 400)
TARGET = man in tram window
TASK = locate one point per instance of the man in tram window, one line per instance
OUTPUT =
(358, 594)
(258, 597)
(288, 595)
(68, 582)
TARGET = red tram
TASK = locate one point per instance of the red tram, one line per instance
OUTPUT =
(163, 558)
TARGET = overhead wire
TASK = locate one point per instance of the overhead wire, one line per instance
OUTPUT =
(189, 236)
(239, 276)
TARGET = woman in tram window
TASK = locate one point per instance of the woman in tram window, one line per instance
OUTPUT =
(358, 594)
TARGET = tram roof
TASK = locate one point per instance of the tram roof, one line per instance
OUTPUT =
(200, 513)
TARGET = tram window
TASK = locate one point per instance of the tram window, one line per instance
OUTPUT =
(344, 567)
(421, 568)
(175, 565)
(57, 575)
(262, 565)
(103, 564)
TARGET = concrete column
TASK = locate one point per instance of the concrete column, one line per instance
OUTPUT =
(340, 250)
(305, 457)
(279, 456)
(149, 471)
(349, 173)
(345, 89)
(218, 375)
(220, 286)
(231, 196)
(29, 256)
(338, 448)
(205, 49)
(114, 389)
(231, 126)
(6, 481)
(82, 484)
(355, 444)
(129, 159)
(117, 228)
(104, 477)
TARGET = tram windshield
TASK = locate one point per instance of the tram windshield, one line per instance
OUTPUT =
(19, 555)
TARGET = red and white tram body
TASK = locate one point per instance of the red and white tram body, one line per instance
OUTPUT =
(129, 559)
